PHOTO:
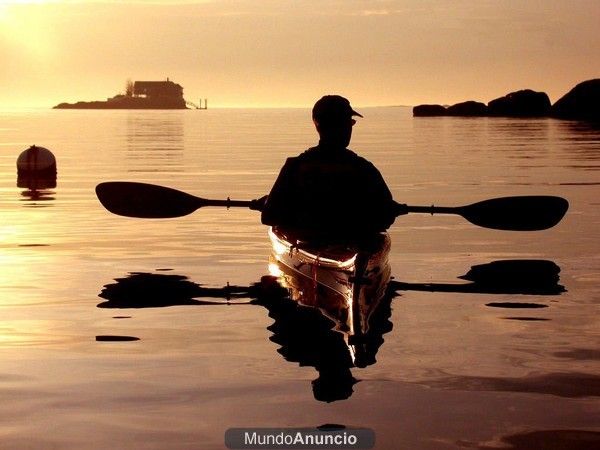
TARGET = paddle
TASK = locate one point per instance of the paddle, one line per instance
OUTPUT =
(524, 213)
(151, 201)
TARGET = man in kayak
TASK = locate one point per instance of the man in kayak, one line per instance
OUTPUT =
(329, 190)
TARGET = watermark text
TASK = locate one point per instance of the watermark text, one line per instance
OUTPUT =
(299, 438)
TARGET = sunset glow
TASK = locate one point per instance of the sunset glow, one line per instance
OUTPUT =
(27, 32)
(286, 53)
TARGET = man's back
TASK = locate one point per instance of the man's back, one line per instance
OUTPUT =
(329, 191)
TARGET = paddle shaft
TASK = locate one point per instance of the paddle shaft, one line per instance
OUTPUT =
(252, 204)
(228, 203)
(433, 209)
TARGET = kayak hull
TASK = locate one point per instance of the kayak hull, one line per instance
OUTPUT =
(345, 280)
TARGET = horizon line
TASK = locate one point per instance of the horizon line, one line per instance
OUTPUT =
(39, 107)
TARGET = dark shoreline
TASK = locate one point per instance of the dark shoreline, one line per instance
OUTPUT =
(123, 102)
(139, 95)
(582, 102)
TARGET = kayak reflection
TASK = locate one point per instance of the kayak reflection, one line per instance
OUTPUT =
(341, 305)
(330, 318)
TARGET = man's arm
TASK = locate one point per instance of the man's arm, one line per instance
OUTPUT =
(276, 210)
(385, 208)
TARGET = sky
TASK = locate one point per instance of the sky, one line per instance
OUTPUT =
(288, 53)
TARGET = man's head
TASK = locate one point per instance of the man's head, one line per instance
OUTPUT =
(333, 117)
(332, 110)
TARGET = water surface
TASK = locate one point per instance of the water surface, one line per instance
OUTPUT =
(462, 364)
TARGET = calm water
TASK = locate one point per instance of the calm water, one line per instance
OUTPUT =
(465, 369)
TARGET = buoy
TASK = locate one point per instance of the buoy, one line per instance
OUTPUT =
(36, 169)
(38, 161)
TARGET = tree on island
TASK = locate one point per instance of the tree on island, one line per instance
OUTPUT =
(129, 88)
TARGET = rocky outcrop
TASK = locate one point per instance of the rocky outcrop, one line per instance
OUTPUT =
(469, 108)
(429, 110)
(525, 103)
(581, 102)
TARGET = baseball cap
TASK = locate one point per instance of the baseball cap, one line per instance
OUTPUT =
(332, 109)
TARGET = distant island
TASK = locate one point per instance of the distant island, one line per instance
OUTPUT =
(140, 95)
(582, 102)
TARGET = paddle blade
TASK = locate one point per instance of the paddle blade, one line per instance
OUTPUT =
(525, 213)
(144, 200)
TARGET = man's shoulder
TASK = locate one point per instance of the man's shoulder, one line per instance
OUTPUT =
(359, 158)
(311, 152)
(316, 153)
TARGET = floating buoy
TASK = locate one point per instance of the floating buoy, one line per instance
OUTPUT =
(38, 161)
(36, 169)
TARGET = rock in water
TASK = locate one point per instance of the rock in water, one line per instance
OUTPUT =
(525, 103)
(429, 110)
(581, 102)
(469, 108)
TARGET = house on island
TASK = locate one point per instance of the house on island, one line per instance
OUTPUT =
(139, 95)
(157, 89)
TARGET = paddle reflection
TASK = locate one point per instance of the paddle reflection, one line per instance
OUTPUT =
(309, 328)
(523, 276)
(151, 290)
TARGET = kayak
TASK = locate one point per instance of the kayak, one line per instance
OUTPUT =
(346, 281)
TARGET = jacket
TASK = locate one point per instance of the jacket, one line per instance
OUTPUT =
(329, 191)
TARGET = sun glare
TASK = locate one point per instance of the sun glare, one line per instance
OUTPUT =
(26, 28)
(6, 4)
(22, 2)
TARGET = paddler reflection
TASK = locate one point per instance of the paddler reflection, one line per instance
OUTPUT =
(338, 307)
(333, 320)
(331, 326)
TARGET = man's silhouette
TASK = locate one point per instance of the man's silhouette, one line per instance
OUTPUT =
(329, 190)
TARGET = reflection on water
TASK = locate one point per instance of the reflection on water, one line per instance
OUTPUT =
(38, 189)
(547, 440)
(528, 319)
(507, 135)
(155, 143)
(516, 305)
(308, 337)
(150, 290)
(571, 384)
(312, 336)
(305, 334)
(578, 141)
(32, 196)
(113, 338)
(527, 277)
(580, 354)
